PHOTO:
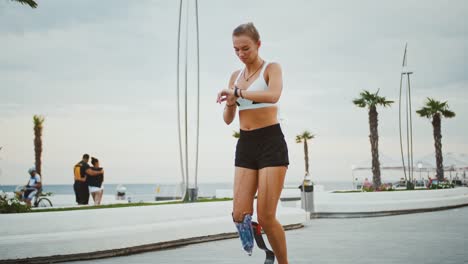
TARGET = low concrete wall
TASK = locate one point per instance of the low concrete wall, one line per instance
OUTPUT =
(329, 203)
(359, 204)
(286, 194)
(83, 234)
(67, 200)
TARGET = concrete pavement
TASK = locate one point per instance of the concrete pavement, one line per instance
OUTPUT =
(71, 235)
(429, 238)
(86, 234)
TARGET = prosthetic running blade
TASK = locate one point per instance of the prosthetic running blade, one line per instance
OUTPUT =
(270, 256)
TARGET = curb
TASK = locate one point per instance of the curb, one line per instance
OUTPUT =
(130, 250)
(340, 215)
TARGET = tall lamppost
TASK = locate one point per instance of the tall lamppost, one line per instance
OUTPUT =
(183, 119)
(409, 122)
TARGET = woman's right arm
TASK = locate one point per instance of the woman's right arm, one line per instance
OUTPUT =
(230, 107)
(91, 172)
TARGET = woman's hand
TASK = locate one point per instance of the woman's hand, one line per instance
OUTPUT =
(226, 95)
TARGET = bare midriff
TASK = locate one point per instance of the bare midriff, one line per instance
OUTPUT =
(251, 119)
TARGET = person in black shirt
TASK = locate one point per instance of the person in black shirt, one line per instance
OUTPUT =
(95, 182)
(81, 171)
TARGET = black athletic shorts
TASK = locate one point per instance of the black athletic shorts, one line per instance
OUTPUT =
(260, 148)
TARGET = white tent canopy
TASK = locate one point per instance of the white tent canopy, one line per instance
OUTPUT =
(386, 163)
(451, 161)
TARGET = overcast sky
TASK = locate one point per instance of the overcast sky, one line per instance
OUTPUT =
(103, 73)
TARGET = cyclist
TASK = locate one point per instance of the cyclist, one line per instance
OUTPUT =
(32, 187)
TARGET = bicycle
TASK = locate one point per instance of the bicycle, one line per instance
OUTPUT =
(39, 199)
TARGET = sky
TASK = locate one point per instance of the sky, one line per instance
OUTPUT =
(103, 74)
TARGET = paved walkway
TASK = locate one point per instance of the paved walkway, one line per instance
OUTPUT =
(79, 234)
(436, 237)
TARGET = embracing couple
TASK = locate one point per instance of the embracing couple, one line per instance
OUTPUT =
(88, 180)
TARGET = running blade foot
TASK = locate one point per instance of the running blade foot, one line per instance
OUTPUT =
(269, 255)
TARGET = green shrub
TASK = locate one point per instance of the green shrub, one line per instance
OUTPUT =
(442, 185)
(386, 187)
(11, 204)
(368, 188)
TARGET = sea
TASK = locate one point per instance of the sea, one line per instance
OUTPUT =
(147, 191)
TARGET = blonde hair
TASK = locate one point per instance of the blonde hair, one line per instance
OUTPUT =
(247, 29)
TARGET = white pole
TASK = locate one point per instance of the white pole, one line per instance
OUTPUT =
(178, 98)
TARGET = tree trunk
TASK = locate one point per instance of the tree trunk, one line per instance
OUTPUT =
(374, 141)
(38, 148)
(306, 156)
(436, 124)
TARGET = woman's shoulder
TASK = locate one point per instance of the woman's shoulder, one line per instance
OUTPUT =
(273, 66)
(234, 76)
(235, 73)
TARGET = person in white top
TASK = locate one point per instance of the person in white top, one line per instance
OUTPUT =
(32, 187)
(261, 153)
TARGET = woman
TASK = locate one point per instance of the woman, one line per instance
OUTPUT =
(95, 181)
(261, 152)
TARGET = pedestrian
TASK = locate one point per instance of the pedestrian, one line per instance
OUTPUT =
(261, 158)
(81, 171)
(95, 183)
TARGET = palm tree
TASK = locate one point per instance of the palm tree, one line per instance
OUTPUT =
(30, 3)
(236, 134)
(436, 110)
(371, 101)
(38, 122)
(306, 135)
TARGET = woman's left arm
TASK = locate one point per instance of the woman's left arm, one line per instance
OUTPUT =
(275, 86)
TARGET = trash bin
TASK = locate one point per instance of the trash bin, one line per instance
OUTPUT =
(193, 194)
(307, 195)
(120, 192)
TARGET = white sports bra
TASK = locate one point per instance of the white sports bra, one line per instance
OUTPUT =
(258, 85)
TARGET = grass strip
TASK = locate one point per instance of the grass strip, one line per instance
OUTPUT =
(200, 200)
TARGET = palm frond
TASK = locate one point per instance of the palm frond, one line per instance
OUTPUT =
(424, 112)
(38, 120)
(383, 101)
(306, 135)
(360, 102)
(298, 139)
(30, 3)
(432, 107)
(368, 99)
(448, 114)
